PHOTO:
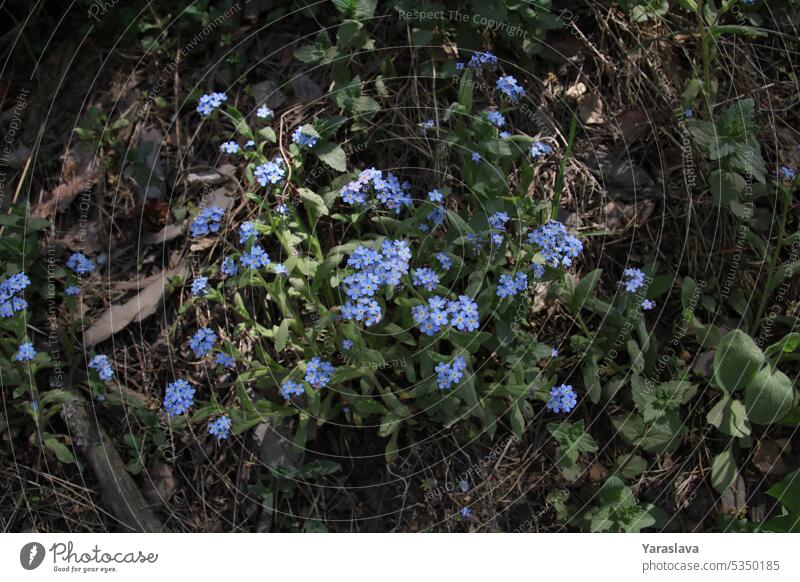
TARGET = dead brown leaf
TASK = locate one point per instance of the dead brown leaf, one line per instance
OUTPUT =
(117, 317)
(767, 458)
(597, 472)
(632, 124)
(166, 234)
(590, 109)
(306, 89)
(267, 93)
(163, 484)
(79, 174)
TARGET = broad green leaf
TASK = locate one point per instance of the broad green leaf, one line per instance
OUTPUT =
(465, 91)
(59, 449)
(725, 187)
(333, 155)
(788, 344)
(769, 396)
(313, 201)
(788, 491)
(629, 466)
(723, 470)
(729, 416)
(583, 290)
(736, 360)
(282, 335)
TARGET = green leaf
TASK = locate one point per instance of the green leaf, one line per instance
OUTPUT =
(769, 396)
(725, 187)
(345, 7)
(723, 470)
(365, 9)
(736, 360)
(364, 105)
(59, 449)
(313, 201)
(788, 491)
(729, 416)
(282, 335)
(333, 155)
(688, 288)
(465, 91)
(788, 344)
(629, 466)
(583, 290)
(591, 374)
(664, 435)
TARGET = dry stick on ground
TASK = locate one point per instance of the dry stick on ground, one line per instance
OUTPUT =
(121, 494)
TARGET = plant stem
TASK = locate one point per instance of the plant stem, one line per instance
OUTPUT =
(563, 167)
(772, 263)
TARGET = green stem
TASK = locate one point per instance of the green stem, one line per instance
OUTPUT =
(562, 168)
(772, 263)
(705, 51)
(583, 325)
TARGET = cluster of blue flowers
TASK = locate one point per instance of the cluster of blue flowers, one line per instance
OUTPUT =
(426, 278)
(475, 239)
(510, 285)
(462, 314)
(229, 147)
(220, 428)
(495, 118)
(210, 102)
(209, 220)
(11, 290)
(103, 367)
(508, 86)
(81, 264)
(478, 61)
(449, 374)
(498, 222)
(426, 125)
(562, 398)
(373, 269)
(247, 231)
(225, 360)
(389, 191)
(539, 149)
(318, 372)
(303, 139)
(444, 261)
(648, 304)
(25, 352)
(290, 388)
(72, 290)
(178, 398)
(255, 258)
(228, 267)
(200, 286)
(271, 172)
(559, 248)
(538, 270)
(203, 341)
(435, 216)
(435, 195)
(786, 173)
(633, 279)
